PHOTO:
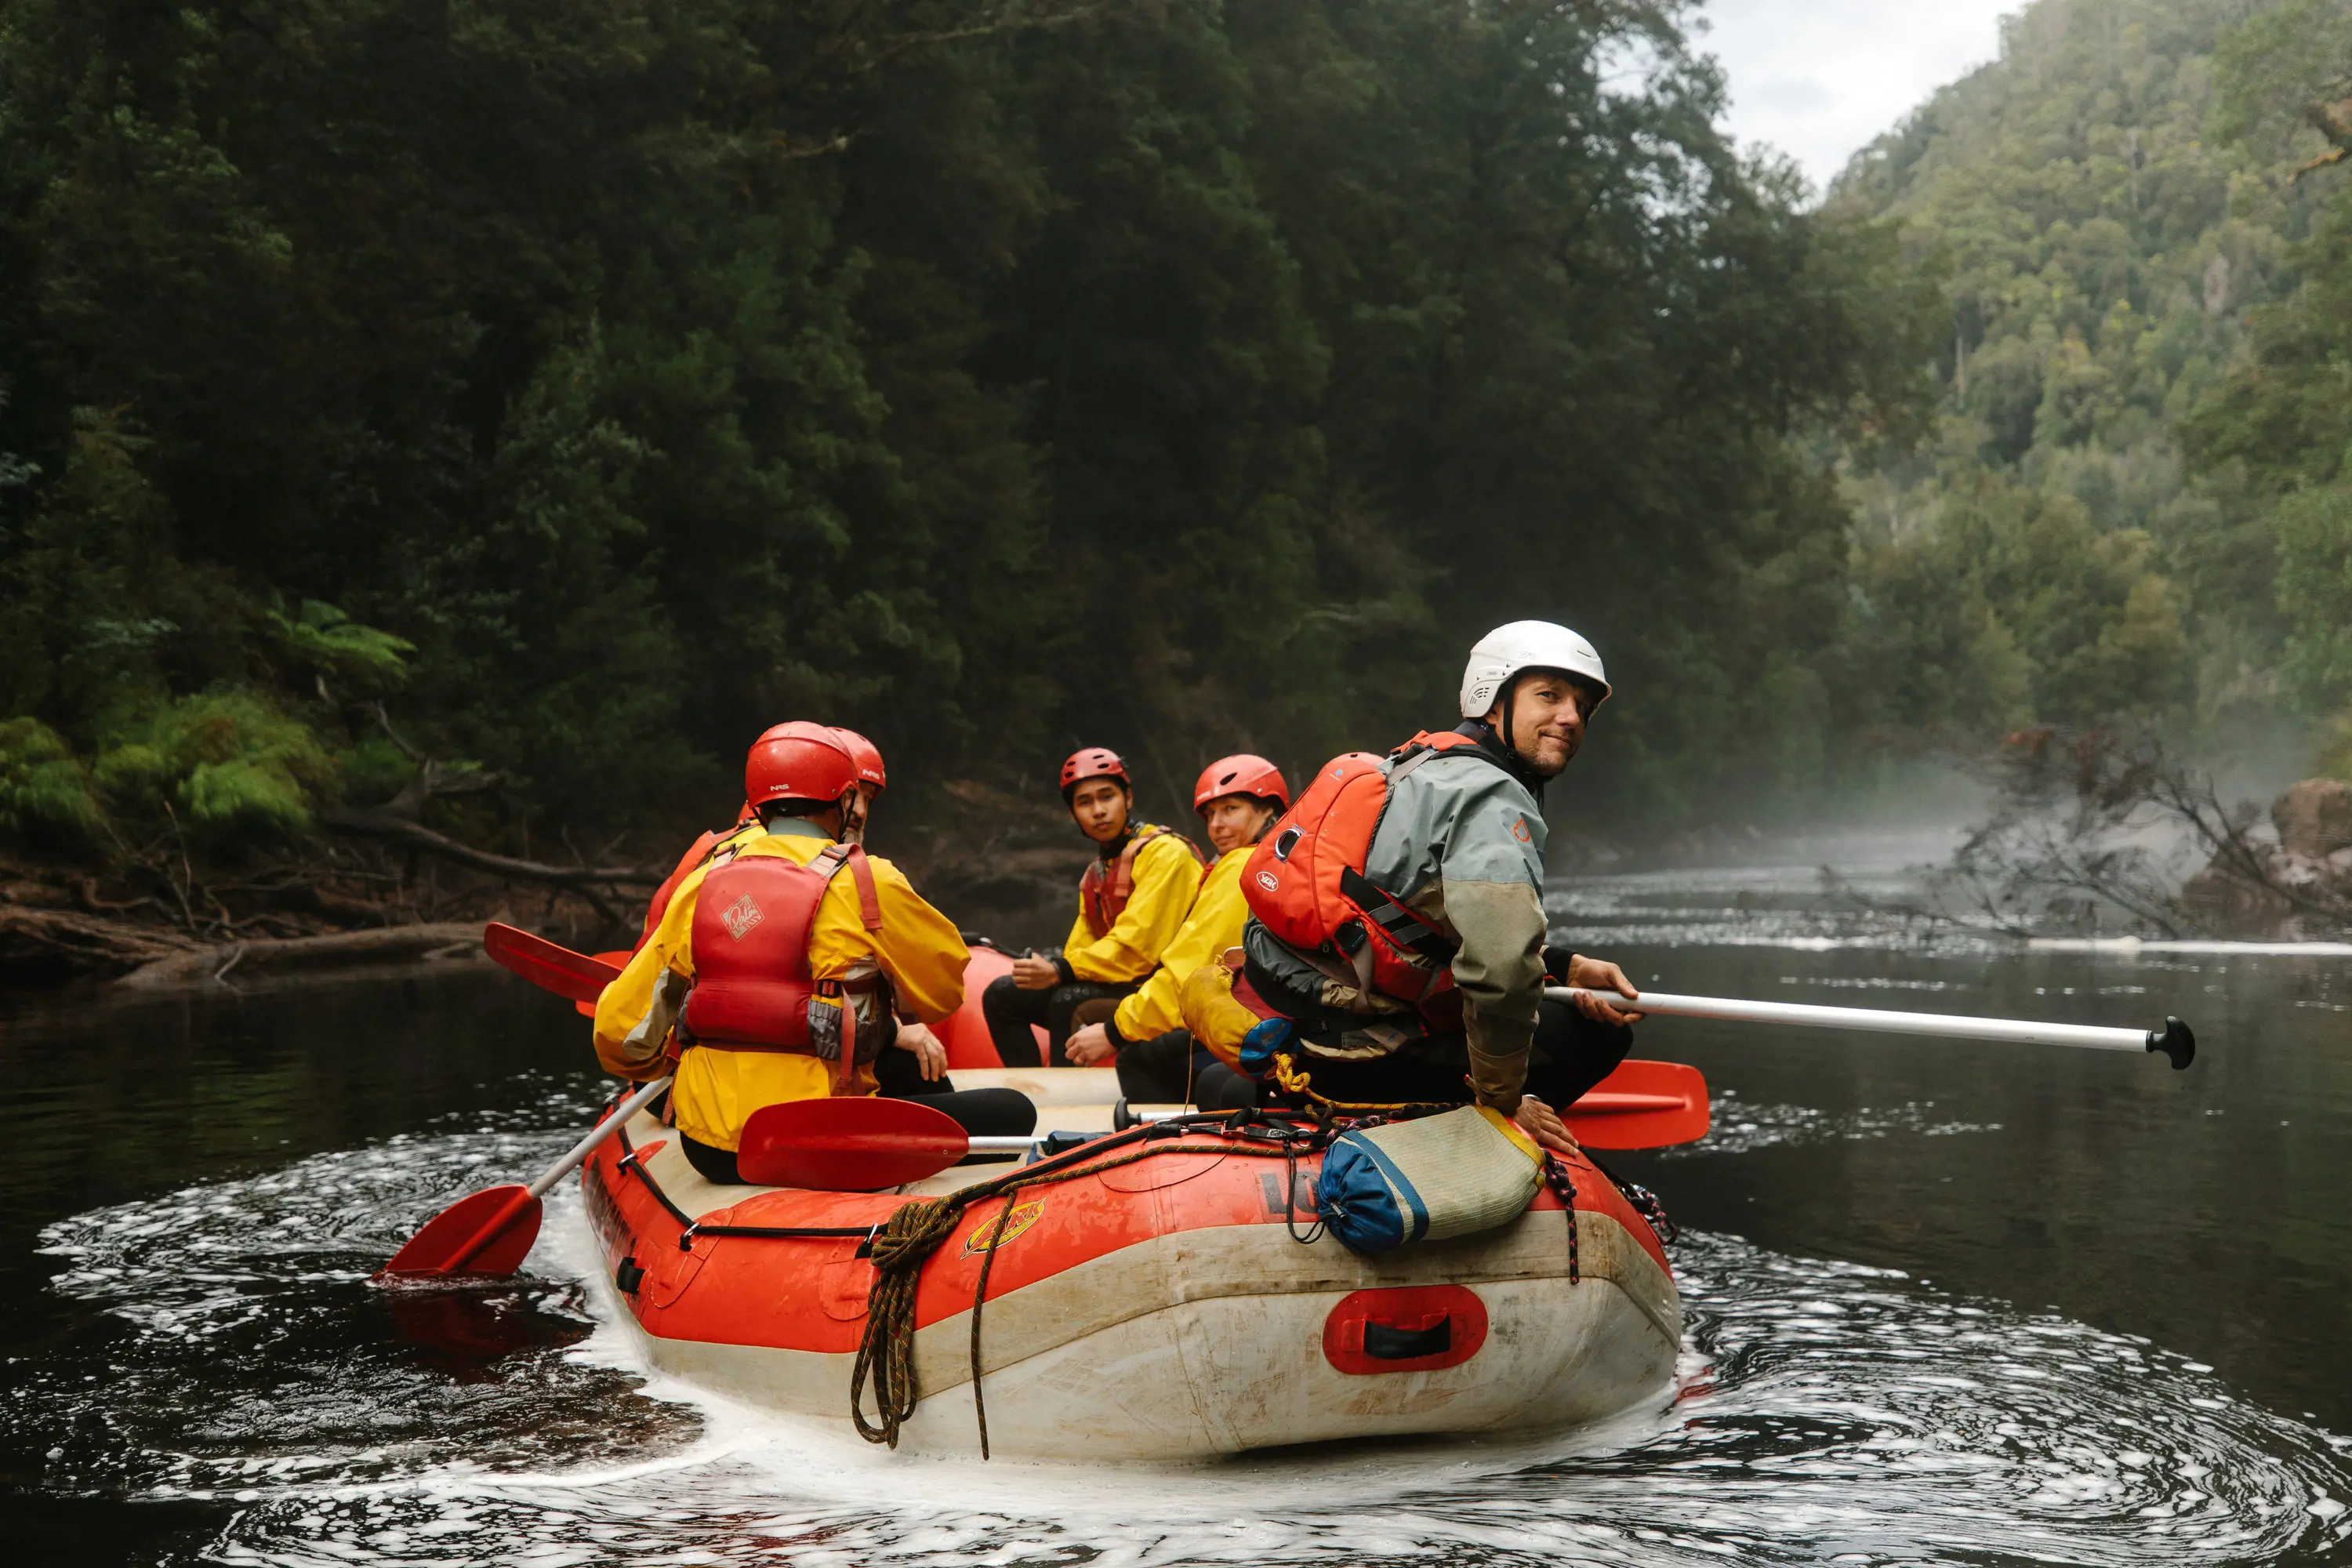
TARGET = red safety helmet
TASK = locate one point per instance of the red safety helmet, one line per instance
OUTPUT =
(867, 757)
(1243, 773)
(799, 761)
(1094, 762)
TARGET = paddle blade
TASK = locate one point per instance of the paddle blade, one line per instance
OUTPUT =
(848, 1145)
(452, 1241)
(1642, 1105)
(588, 1009)
(547, 966)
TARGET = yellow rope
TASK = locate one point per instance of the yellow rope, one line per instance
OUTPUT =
(1293, 1081)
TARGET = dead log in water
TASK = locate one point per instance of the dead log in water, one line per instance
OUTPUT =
(202, 966)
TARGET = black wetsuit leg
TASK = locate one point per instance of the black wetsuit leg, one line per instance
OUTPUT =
(1156, 1071)
(1217, 1087)
(1012, 1013)
(1570, 1055)
(898, 1074)
(988, 1112)
(714, 1166)
(1064, 1000)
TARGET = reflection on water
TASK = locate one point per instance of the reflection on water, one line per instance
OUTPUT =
(1947, 1303)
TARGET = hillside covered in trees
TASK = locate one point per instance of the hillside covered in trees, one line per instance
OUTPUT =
(2101, 528)
(483, 417)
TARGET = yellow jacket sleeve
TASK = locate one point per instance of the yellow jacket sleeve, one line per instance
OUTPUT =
(917, 947)
(1214, 924)
(1166, 876)
(634, 1013)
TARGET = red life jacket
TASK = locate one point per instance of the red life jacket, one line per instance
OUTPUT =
(1107, 886)
(753, 989)
(1306, 883)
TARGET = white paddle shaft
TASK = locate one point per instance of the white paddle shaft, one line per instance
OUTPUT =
(1004, 1145)
(1946, 1024)
(602, 1131)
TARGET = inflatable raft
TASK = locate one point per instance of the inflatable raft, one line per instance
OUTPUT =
(1158, 1294)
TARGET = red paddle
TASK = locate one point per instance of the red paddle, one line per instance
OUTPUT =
(1642, 1105)
(849, 1145)
(618, 960)
(547, 966)
(491, 1231)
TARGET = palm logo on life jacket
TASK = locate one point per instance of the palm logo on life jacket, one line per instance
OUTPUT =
(753, 989)
(1108, 885)
(1306, 882)
(740, 916)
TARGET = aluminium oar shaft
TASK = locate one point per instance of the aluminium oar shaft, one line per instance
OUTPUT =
(2174, 1040)
(602, 1131)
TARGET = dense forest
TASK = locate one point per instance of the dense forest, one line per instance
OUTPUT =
(489, 414)
(2144, 287)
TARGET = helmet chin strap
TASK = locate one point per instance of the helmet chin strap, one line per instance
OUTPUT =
(1504, 744)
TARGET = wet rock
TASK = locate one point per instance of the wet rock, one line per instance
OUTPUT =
(2223, 896)
(2306, 877)
(2314, 818)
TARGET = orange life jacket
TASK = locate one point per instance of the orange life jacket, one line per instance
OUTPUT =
(1306, 883)
(693, 856)
(753, 989)
(1108, 885)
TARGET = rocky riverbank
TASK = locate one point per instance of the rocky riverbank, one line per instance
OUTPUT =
(2296, 880)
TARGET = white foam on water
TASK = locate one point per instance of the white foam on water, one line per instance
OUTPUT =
(1825, 1411)
(2132, 947)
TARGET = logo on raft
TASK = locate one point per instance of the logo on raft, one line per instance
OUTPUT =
(741, 917)
(984, 1236)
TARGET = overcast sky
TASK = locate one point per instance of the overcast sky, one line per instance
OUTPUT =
(1819, 78)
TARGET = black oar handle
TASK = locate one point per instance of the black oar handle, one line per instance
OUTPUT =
(2177, 1042)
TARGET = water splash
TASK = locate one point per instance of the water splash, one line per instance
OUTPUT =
(1826, 1412)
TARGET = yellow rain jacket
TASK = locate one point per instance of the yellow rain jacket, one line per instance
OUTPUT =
(1214, 924)
(717, 1089)
(1166, 874)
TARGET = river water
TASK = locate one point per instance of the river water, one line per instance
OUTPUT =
(1947, 1303)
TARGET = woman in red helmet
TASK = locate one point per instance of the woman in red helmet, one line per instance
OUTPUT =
(777, 968)
(1131, 902)
(1239, 799)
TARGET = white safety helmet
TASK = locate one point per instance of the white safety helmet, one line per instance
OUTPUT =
(1525, 644)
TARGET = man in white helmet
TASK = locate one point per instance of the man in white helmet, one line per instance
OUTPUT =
(1453, 984)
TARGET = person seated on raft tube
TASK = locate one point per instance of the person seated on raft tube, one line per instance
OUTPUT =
(1130, 902)
(923, 1068)
(1238, 797)
(772, 975)
(1460, 844)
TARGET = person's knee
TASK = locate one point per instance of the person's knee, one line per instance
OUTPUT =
(996, 1112)
(1001, 996)
(1219, 1088)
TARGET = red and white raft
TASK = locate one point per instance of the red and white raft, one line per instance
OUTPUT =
(1153, 1305)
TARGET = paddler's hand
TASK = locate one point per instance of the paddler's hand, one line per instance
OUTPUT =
(1090, 1047)
(1034, 973)
(1597, 974)
(931, 1056)
(1540, 1122)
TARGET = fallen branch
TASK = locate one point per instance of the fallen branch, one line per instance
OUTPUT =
(67, 939)
(204, 966)
(383, 824)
